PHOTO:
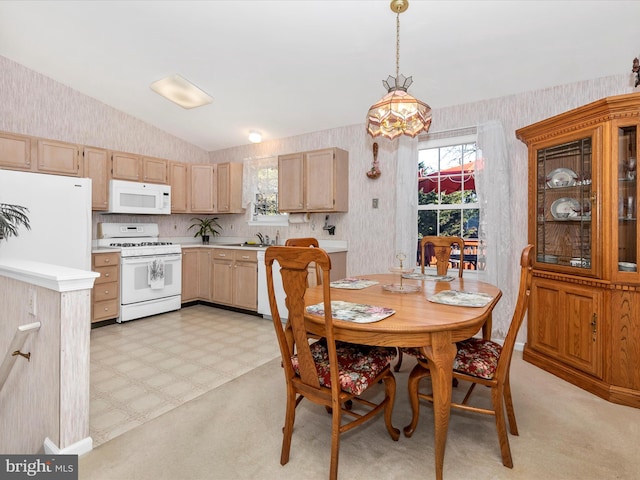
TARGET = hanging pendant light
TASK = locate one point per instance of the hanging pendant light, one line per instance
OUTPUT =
(398, 113)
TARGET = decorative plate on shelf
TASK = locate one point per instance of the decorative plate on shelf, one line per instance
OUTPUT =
(627, 267)
(561, 177)
(565, 207)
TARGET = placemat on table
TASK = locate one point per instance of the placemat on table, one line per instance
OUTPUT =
(461, 298)
(353, 283)
(353, 312)
(429, 277)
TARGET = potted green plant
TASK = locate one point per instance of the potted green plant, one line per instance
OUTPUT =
(11, 218)
(205, 227)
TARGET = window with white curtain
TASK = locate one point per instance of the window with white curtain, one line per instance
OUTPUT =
(260, 191)
(447, 199)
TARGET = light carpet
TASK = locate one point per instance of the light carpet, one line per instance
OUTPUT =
(234, 432)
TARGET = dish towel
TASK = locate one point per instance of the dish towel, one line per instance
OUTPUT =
(155, 273)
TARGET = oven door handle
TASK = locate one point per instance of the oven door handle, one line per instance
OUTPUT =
(150, 258)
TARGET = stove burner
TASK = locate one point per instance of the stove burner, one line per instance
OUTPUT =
(142, 244)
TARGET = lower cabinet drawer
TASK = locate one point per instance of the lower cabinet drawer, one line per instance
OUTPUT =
(105, 291)
(107, 274)
(105, 310)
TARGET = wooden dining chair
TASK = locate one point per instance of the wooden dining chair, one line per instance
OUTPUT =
(306, 242)
(442, 247)
(325, 372)
(484, 362)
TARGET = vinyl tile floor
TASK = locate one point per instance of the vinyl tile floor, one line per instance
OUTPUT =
(146, 367)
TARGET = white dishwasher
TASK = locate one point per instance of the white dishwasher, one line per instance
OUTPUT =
(263, 296)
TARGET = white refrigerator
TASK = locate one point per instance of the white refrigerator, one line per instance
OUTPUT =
(59, 215)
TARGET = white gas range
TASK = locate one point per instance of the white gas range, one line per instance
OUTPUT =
(150, 270)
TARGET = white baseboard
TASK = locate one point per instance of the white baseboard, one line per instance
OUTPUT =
(79, 448)
(519, 346)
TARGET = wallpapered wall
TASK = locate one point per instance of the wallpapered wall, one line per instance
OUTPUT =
(36, 105)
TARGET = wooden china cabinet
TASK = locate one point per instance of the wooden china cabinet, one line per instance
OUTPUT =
(584, 315)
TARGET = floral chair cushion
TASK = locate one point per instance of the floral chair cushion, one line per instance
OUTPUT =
(359, 364)
(476, 357)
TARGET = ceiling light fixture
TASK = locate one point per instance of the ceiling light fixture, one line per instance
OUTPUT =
(255, 137)
(180, 91)
(398, 113)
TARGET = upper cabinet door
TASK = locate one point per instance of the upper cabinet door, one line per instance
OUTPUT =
(625, 190)
(203, 188)
(567, 220)
(291, 183)
(58, 158)
(126, 166)
(15, 151)
(155, 170)
(229, 188)
(96, 167)
(179, 178)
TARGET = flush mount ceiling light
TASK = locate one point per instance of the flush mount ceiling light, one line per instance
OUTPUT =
(398, 113)
(255, 137)
(180, 91)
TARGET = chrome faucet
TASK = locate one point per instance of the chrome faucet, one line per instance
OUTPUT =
(261, 237)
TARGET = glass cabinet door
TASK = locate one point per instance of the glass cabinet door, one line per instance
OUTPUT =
(564, 199)
(627, 199)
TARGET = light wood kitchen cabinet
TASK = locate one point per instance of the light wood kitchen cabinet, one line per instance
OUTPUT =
(222, 276)
(106, 289)
(234, 278)
(203, 181)
(315, 181)
(204, 274)
(155, 170)
(229, 188)
(58, 158)
(245, 280)
(15, 151)
(338, 268)
(189, 275)
(96, 167)
(179, 181)
(583, 323)
(196, 274)
(126, 166)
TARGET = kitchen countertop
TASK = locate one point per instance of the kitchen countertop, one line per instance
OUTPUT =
(328, 248)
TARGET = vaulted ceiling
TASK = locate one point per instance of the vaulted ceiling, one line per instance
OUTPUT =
(291, 67)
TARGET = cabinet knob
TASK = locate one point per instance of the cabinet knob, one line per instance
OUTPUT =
(106, 274)
(106, 292)
(106, 309)
(107, 260)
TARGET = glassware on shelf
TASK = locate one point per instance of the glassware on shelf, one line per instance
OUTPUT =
(401, 287)
(631, 168)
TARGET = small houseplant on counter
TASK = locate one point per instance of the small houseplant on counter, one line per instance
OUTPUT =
(205, 227)
(11, 218)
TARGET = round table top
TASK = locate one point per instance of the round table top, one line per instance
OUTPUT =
(415, 319)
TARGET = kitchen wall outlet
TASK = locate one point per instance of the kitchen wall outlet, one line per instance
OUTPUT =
(31, 302)
(374, 203)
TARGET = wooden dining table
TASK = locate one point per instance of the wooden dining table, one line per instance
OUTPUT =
(417, 322)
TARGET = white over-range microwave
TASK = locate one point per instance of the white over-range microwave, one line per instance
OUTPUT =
(139, 198)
